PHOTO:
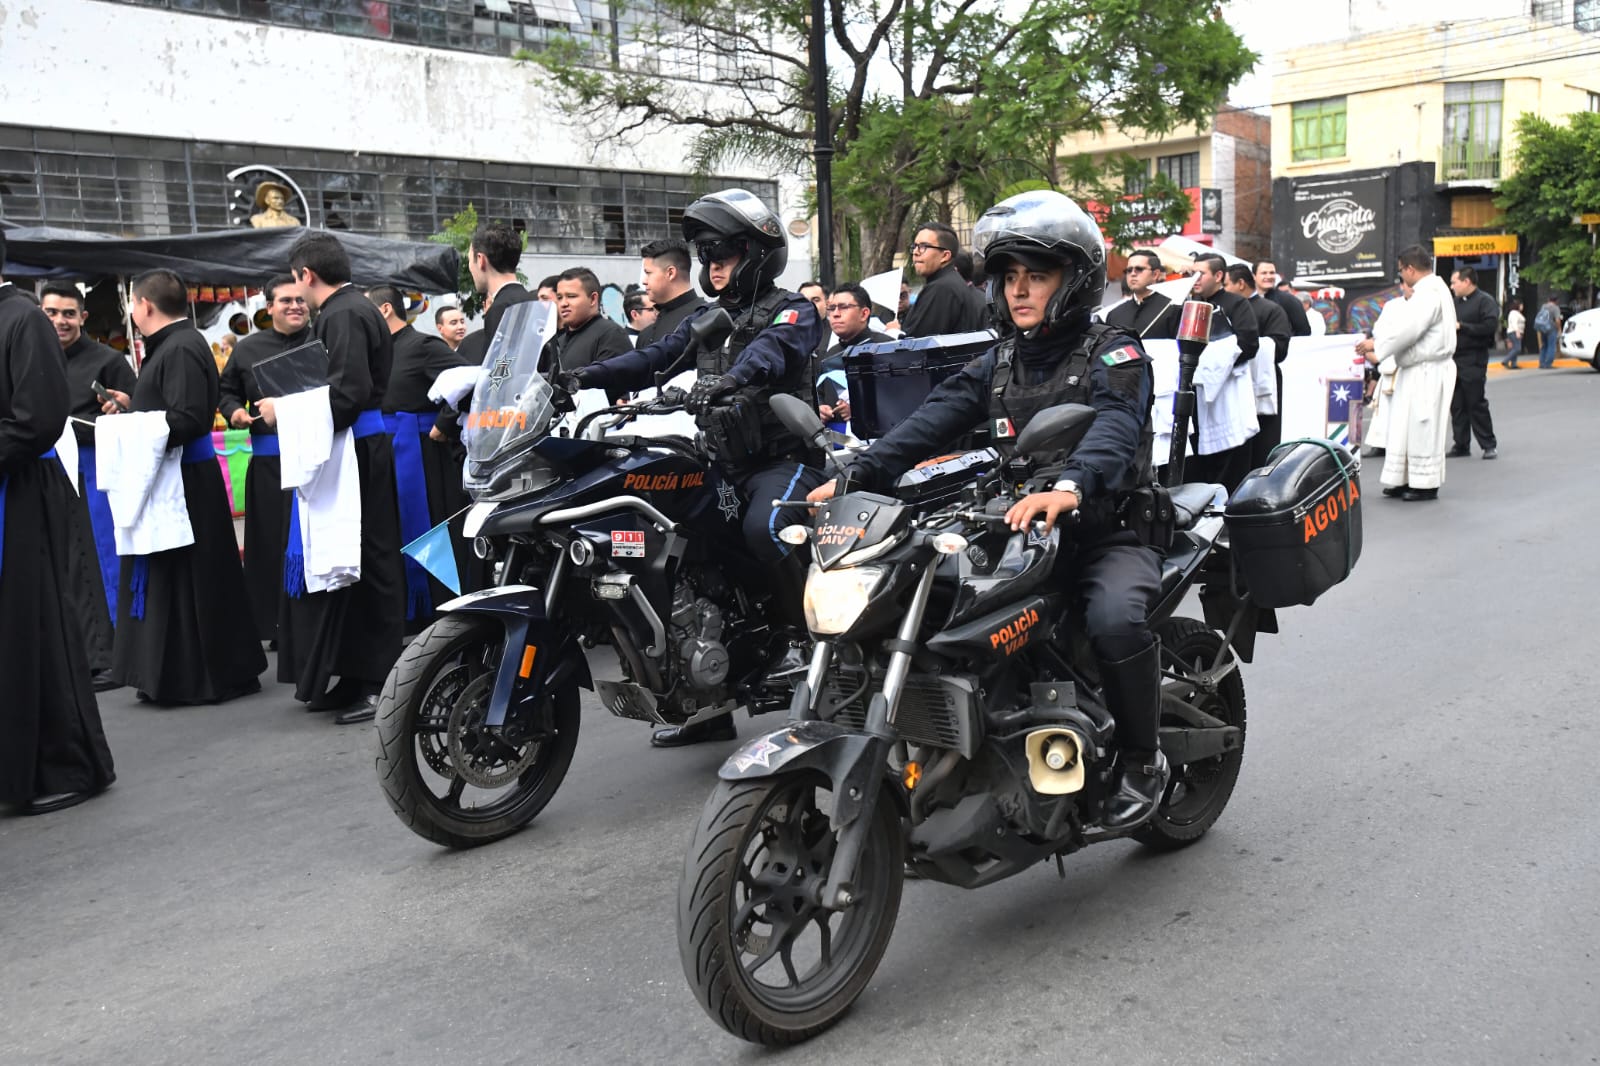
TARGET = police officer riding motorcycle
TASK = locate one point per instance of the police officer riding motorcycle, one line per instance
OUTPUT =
(1045, 259)
(742, 249)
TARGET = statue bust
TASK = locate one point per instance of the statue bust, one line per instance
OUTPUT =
(270, 200)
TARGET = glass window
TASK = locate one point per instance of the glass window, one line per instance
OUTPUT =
(1317, 129)
(1183, 169)
(1586, 15)
(1471, 142)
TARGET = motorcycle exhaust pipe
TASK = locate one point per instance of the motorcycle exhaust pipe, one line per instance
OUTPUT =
(1055, 760)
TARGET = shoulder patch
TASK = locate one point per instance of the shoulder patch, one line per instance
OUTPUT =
(1125, 354)
(786, 318)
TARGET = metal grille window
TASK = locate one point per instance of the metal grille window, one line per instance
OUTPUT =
(1317, 129)
(1471, 143)
(150, 187)
(1183, 169)
(1586, 15)
(632, 35)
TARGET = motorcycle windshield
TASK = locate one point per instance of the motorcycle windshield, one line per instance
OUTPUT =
(511, 404)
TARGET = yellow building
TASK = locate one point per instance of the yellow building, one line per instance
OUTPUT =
(1381, 140)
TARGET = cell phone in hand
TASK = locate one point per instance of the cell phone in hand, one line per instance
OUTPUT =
(103, 396)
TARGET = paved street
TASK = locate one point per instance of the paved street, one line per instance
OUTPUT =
(1408, 872)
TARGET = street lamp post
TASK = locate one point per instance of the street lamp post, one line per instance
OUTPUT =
(824, 141)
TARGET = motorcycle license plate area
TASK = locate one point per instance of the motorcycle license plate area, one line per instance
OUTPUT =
(1295, 524)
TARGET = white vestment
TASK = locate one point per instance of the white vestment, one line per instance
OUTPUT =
(1416, 345)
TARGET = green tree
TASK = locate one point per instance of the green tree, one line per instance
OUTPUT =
(1557, 176)
(985, 92)
(457, 233)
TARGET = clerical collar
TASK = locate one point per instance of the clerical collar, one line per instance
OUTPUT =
(154, 340)
(490, 297)
(678, 301)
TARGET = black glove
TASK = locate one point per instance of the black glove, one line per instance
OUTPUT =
(707, 389)
(573, 381)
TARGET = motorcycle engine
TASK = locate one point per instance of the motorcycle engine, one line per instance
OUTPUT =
(697, 635)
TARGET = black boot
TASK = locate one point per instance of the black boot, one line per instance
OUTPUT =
(1132, 690)
(711, 729)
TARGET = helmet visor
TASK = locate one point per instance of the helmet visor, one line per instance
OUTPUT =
(719, 250)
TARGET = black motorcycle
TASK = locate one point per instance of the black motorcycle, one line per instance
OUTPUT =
(951, 728)
(630, 540)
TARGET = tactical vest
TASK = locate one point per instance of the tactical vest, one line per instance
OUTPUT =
(774, 441)
(1012, 405)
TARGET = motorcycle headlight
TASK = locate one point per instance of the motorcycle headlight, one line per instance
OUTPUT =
(836, 599)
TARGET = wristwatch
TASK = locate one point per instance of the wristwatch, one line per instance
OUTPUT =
(1068, 485)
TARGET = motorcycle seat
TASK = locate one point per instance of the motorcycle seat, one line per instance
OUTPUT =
(1190, 501)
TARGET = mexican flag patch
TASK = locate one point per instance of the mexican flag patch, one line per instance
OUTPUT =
(1003, 429)
(786, 318)
(1126, 354)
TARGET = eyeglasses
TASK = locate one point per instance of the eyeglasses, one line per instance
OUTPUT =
(839, 309)
(1140, 270)
(290, 301)
(920, 247)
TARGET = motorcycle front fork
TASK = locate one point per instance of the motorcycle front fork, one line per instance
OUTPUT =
(838, 892)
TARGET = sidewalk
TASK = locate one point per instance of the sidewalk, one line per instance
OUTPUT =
(1530, 362)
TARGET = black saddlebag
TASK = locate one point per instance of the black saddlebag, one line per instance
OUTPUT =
(890, 379)
(1295, 524)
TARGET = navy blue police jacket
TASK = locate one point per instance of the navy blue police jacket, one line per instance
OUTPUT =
(781, 348)
(1104, 464)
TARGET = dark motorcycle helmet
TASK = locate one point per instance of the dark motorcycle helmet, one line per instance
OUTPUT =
(1044, 230)
(735, 222)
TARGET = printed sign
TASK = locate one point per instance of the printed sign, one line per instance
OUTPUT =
(627, 543)
(1339, 228)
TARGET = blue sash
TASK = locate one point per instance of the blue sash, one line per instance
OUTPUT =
(367, 424)
(407, 428)
(199, 450)
(102, 525)
(51, 454)
(264, 444)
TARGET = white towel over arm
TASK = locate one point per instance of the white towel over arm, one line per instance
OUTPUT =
(143, 482)
(320, 466)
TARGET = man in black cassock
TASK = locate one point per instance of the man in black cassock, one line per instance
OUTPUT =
(180, 639)
(428, 464)
(1232, 314)
(1145, 313)
(264, 511)
(352, 633)
(492, 261)
(54, 753)
(95, 566)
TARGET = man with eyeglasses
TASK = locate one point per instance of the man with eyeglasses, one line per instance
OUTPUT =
(1145, 313)
(93, 556)
(849, 311)
(946, 303)
(264, 520)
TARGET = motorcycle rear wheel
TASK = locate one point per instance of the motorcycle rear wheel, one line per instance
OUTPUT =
(1198, 792)
(744, 920)
(432, 745)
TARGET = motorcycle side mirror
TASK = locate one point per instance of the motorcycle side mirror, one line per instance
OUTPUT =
(711, 329)
(1055, 429)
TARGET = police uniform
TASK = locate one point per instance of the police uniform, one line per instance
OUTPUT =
(1115, 575)
(769, 352)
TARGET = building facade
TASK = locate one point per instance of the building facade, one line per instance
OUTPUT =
(1391, 138)
(1224, 166)
(153, 117)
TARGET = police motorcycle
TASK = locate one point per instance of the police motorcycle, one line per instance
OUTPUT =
(951, 726)
(598, 533)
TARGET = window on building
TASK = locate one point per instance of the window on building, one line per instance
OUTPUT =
(1471, 144)
(1594, 101)
(639, 37)
(1547, 10)
(1317, 129)
(151, 187)
(1182, 169)
(1137, 180)
(1586, 15)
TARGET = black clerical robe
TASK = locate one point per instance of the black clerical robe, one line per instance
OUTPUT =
(669, 316)
(355, 632)
(946, 304)
(184, 634)
(1153, 318)
(95, 566)
(264, 511)
(427, 471)
(53, 739)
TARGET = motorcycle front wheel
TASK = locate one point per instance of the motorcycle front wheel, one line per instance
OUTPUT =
(450, 777)
(767, 963)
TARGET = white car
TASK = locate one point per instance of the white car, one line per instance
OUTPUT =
(1580, 337)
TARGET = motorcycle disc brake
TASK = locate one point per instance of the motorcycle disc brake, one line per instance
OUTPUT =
(477, 753)
(433, 723)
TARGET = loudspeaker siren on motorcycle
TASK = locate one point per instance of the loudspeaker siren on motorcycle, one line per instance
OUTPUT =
(795, 534)
(1055, 761)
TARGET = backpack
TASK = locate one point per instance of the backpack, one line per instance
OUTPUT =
(1544, 321)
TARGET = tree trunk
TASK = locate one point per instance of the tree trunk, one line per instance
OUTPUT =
(881, 238)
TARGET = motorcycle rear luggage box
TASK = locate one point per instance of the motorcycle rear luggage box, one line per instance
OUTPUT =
(890, 379)
(1295, 524)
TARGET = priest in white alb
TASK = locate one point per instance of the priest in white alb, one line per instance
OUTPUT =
(1415, 343)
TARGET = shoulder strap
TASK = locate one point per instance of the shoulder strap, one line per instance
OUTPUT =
(1002, 367)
